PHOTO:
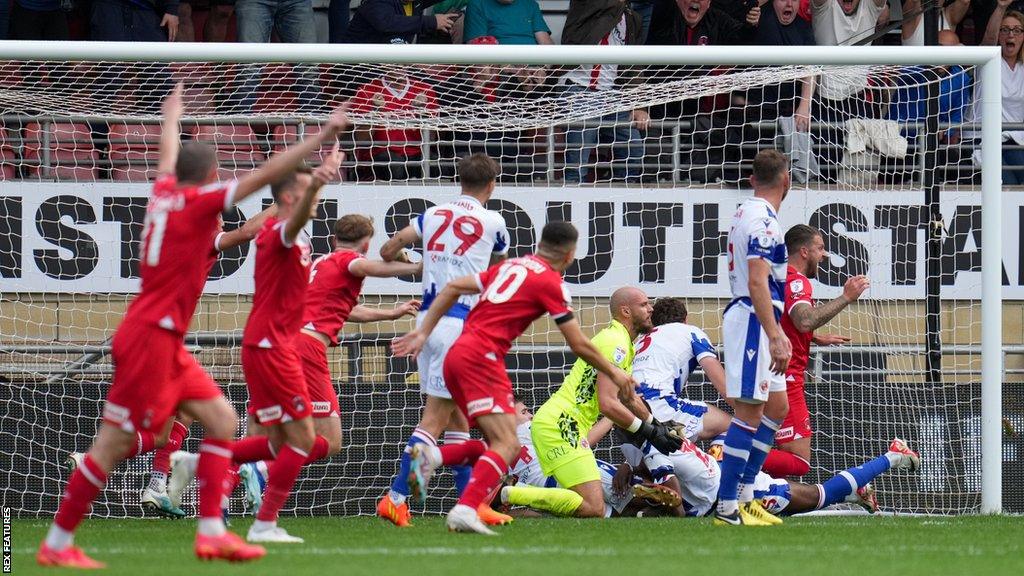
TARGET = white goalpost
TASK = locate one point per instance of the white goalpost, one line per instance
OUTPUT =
(78, 126)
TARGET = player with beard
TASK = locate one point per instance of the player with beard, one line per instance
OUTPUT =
(799, 321)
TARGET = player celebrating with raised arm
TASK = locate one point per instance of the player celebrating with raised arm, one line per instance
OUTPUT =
(757, 351)
(460, 237)
(800, 319)
(561, 425)
(514, 294)
(154, 375)
(335, 282)
(279, 402)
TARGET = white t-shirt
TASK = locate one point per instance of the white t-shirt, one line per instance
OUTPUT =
(1013, 103)
(832, 27)
(917, 36)
(458, 240)
(756, 233)
(667, 355)
(600, 76)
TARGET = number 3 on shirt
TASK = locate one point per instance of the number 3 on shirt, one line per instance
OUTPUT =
(510, 278)
(459, 226)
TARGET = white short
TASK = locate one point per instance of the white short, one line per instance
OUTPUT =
(698, 475)
(689, 413)
(773, 493)
(747, 358)
(431, 358)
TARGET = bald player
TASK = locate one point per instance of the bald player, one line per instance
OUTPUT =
(560, 427)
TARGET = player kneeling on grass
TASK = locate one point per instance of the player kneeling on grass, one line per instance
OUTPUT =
(665, 358)
(624, 500)
(561, 425)
(514, 294)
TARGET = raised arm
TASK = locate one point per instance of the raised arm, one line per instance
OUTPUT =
(246, 232)
(809, 318)
(778, 344)
(170, 131)
(321, 175)
(281, 164)
(411, 343)
(991, 37)
(394, 249)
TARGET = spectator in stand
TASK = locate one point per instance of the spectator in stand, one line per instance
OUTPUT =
(394, 21)
(38, 20)
(292, 19)
(395, 152)
(510, 21)
(134, 20)
(458, 9)
(949, 18)
(470, 91)
(716, 124)
(338, 12)
(844, 95)
(780, 25)
(293, 22)
(217, 20)
(1006, 29)
(604, 23)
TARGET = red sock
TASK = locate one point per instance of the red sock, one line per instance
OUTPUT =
(162, 456)
(252, 449)
(144, 442)
(211, 474)
(487, 474)
(232, 479)
(463, 454)
(283, 473)
(319, 449)
(782, 464)
(85, 484)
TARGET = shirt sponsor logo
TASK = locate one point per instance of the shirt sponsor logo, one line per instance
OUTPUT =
(321, 407)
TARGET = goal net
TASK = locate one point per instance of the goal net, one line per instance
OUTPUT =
(885, 164)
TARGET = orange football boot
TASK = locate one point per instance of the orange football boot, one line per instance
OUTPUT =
(492, 517)
(70, 557)
(228, 546)
(396, 514)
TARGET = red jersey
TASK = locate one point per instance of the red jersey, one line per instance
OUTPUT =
(410, 100)
(282, 273)
(798, 293)
(333, 292)
(514, 294)
(180, 227)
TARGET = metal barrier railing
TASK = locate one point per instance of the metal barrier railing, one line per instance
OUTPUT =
(667, 146)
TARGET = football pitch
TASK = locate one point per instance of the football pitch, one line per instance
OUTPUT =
(827, 545)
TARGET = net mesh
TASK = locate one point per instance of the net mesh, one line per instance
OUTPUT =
(78, 145)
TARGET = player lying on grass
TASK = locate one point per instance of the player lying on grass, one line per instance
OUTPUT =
(155, 496)
(459, 237)
(800, 319)
(528, 478)
(336, 281)
(665, 358)
(154, 376)
(777, 495)
(514, 294)
(562, 423)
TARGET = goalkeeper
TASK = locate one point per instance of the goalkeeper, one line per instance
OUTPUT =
(560, 427)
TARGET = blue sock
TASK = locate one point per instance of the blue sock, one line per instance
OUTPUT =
(462, 474)
(837, 488)
(734, 460)
(759, 448)
(400, 485)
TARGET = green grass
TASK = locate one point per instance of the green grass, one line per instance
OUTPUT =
(832, 546)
